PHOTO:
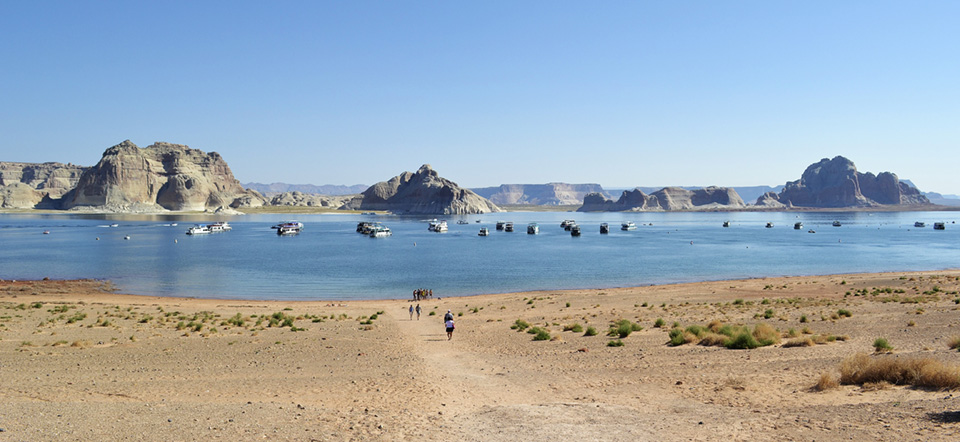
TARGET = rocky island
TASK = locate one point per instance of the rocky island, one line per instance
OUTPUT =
(668, 198)
(422, 192)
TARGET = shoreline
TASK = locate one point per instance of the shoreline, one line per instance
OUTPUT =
(81, 362)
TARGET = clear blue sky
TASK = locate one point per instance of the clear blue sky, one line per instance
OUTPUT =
(488, 92)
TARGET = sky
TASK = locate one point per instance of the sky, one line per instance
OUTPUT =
(623, 94)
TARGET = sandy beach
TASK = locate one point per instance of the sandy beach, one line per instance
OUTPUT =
(79, 362)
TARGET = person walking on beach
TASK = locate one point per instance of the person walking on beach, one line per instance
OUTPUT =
(418, 312)
(449, 324)
(411, 312)
(448, 316)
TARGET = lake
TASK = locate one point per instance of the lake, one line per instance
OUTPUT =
(329, 260)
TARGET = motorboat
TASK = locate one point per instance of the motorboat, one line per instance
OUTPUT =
(46, 232)
(463, 221)
(574, 230)
(726, 224)
(919, 224)
(797, 225)
(939, 226)
(811, 231)
(500, 225)
(114, 225)
(437, 226)
(508, 227)
(566, 223)
(769, 225)
(629, 225)
(364, 227)
(219, 226)
(380, 231)
(533, 228)
(289, 228)
(198, 230)
(604, 228)
(484, 231)
(837, 224)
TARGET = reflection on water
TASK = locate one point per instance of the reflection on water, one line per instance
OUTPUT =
(329, 260)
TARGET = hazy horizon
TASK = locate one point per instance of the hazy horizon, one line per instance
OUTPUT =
(729, 94)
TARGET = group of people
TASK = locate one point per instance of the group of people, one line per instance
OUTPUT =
(417, 310)
(447, 319)
(419, 294)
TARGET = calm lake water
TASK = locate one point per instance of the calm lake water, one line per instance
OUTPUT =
(329, 260)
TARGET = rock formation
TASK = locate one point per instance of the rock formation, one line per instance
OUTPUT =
(423, 192)
(539, 194)
(666, 199)
(31, 185)
(164, 175)
(836, 183)
(310, 200)
(274, 189)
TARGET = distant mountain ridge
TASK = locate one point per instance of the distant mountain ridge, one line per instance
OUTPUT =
(550, 194)
(273, 189)
(665, 199)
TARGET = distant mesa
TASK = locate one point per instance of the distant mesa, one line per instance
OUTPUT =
(550, 194)
(666, 199)
(160, 176)
(423, 192)
(833, 183)
(29, 185)
(273, 189)
(301, 199)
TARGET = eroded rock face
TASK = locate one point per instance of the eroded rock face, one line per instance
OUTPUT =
(539, 194)
(836, 183)
(309, 200)
(666, 199)
(25, 185)
(423, 192)
(170, 176)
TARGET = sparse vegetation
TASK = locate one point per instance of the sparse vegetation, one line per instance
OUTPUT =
(615, 343)
(880, 345)
(520, 325)
(591, 331)
(921, 372)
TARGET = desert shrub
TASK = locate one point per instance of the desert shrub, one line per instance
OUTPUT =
(697, 330)
(766, 334)
(826, 382)
(737, 302)
(623, 328)
(880, 345)
(540, 334)
(659, 323)
(799, 342)
(520, 325)
(576, 328)
(768, 313)
(679, 337)
(615, 343)
(591, 331)
(954, 342)
(714, 340)
(844, 313)
(715, 325)
(803, 319)
(742, 341)
(922, 372)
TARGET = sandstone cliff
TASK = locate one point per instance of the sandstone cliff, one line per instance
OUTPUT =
(32, 185)
(836, 183)
(666, 199)
(423, 192)
(310, 200)
(163, 175)
(539, 194)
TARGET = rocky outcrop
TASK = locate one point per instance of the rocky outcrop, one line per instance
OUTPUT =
(550, 194)
(836, 183)
(274, 189)
(310, 200)
(168, 176)
(666, 199)
(32, 185)
(423, 192)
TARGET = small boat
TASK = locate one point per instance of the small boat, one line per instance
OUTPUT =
(629, 225)
(437, 226)
(811, 231)
(463, 221)
(919, 224)
(289, 228)
(574, 230)
(604, 228)
(533, 228)
(114, 225)
(198, 230)
(566, 223)
(769, 225)
(500, 225)
(173, 224)
(939, 226)
(369, 213)
(726, 224)
(380, 232)
(219, 226)
(46, 232)
(797, 225)
(508, 227)
(837, 224)
(484, 231)
(126, 237)
(478, 221)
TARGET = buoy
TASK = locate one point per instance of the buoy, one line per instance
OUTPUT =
(174, 241)
(98, 238)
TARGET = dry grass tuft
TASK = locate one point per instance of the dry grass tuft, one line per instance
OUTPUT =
(827, 382)
(714, 340)
(81, 344)
(799, 342)
(954, 342)
(922, 372)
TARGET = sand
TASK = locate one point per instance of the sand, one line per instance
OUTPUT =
(81, 363)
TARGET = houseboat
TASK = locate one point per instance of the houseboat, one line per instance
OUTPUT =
(797, 225)
(574, 230)
(920, 224)
(533, 228)
(939, 226)
(629, 225)
(484, 231)
(508, 227)
(198, 230)
(604, 228)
